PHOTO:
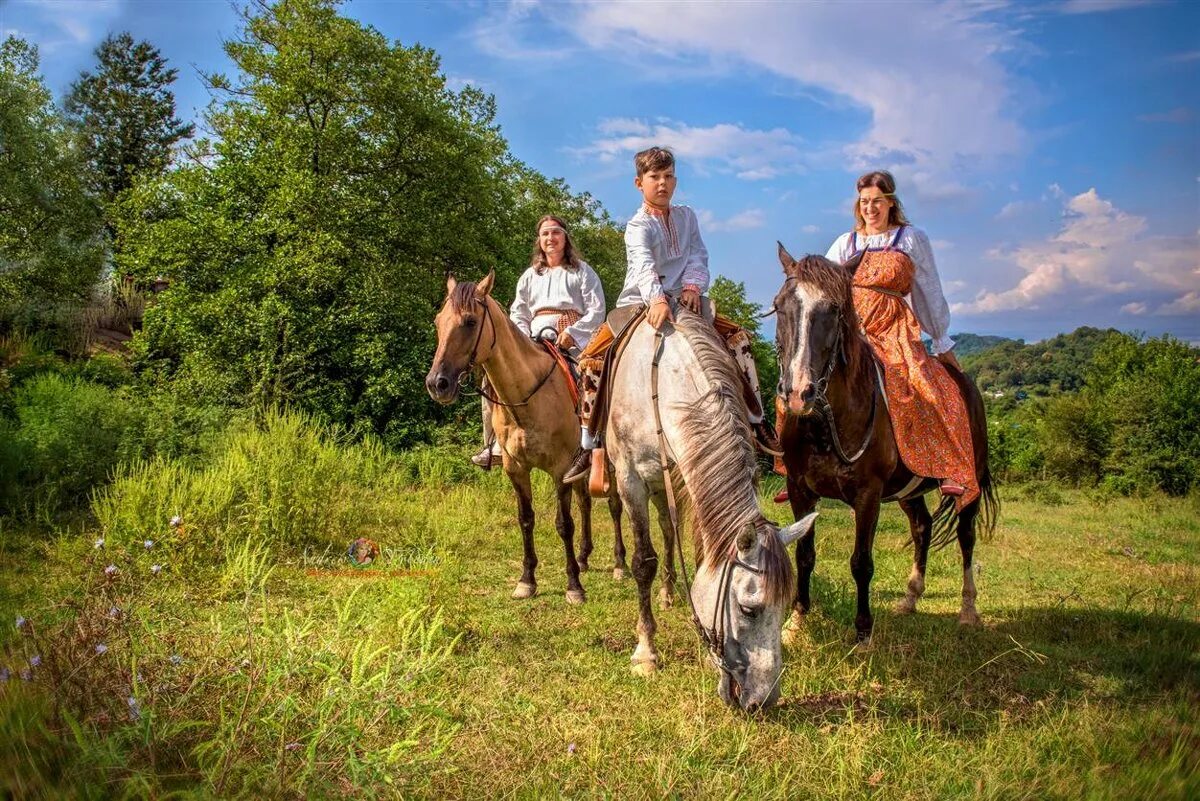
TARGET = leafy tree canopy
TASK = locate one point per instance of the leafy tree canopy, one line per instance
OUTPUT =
(49, 227)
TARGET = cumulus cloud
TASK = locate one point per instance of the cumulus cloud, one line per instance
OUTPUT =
(1100, 251)
(750, 154)
(938, 95)
(810, 229)
(1137, 307)
(1188, 303)
(743, 220)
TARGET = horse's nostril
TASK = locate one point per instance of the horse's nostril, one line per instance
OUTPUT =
(753, 706)
(442, 383)
(807, 393)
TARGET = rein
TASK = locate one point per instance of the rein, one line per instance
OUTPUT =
(825, 408)
(714, 636)
(465, 376)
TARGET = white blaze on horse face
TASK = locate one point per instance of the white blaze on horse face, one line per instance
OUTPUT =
(799, 367)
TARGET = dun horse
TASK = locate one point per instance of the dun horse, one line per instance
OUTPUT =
(533, 416)
(838, 440)
(677, 397)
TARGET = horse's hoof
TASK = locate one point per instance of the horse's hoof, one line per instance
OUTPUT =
(969, 617)
(864, 644)
(620, 574)
(583, 566)
(790, 635)
(905, 606)
(524, 591)
(575, 597)
(645, 669)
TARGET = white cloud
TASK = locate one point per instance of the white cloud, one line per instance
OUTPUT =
(1100, 6)
(1188, 303)
(1137, 307)
(938, 96)
(748, 153)
(63, 24)
(743, 220)
(810, 229)
(1178, 115)
(1099, 251)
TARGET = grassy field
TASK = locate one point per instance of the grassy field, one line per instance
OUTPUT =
(289, 673)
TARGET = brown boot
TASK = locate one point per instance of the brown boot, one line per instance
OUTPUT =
(766, 440)
(580, 467)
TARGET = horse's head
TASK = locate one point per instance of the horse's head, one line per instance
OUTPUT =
(815, 312)
(742, 601)
(461, 336)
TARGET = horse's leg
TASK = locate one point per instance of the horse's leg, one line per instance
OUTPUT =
(584, 499)
(634, 494)
(666, 590)
(802, 502)
(921, 525)
(967, 616)
(620, 571)
(566, 532)
(527, 586)
(862, 562)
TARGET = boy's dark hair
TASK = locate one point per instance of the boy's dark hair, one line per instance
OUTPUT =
(653, 158)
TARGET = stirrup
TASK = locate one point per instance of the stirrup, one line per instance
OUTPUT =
(766, 441)
(953, 488)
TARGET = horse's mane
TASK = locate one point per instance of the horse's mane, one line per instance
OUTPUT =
(835, 282)
(717, 463)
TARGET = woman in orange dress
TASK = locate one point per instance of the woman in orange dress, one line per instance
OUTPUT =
(897, 295)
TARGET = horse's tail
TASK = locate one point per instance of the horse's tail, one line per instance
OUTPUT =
(986, 510)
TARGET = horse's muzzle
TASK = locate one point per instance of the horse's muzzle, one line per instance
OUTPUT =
(441, 387)
(801, 403)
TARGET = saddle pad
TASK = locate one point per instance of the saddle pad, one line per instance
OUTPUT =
(622, 321)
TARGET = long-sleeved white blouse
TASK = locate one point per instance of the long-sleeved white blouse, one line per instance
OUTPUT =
(927, 300)
(561, 289)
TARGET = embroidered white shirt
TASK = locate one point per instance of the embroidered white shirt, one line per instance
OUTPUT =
(560, 289)
(661, 258)
(927, 299)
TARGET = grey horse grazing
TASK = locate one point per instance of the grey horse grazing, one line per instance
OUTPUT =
(744, 580)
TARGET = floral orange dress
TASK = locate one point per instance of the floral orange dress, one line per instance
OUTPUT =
(929, 415)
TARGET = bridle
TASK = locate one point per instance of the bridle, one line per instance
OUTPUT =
(465, 376)
(825, 408)
(713, 636)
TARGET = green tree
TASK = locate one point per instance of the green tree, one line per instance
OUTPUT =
(125, 111)
(308, 245)
(730, 299)
(50, 245)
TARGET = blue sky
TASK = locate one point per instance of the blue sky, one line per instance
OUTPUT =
(1050, 150)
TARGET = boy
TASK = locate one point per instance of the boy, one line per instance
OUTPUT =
(666, 261)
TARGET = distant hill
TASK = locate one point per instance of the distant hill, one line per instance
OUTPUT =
(970, 344)
(1042, 368)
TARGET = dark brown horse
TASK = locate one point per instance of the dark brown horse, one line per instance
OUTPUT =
(838, 441)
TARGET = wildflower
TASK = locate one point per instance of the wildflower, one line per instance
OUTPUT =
(176, 521)
(114, 612)
(110, 571)
(135, 710)
(571, 748)
(101, 648)
(5, 674)
(176, 659)
(26, 675)
(292, 746)
(21, 622)
(99, 543)
(35, 660)
(156, 569)
(148, 544)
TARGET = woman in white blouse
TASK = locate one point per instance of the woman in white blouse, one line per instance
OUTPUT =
(558, 297)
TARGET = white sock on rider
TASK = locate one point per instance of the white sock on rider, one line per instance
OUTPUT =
(586, 440)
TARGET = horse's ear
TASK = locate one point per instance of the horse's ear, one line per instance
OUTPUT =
(785, 258)
(851, 264)
(801, 528)
(484, 287)
(450, 284)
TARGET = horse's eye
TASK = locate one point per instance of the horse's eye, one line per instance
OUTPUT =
(469, 322)
(748, 611)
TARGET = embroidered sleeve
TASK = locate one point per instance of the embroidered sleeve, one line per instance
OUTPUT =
(695, 271)
(593, 306)
(641, 270)
(521, 311)
(928, 301)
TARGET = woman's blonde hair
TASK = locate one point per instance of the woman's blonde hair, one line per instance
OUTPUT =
(885, 183)
(571, 257)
